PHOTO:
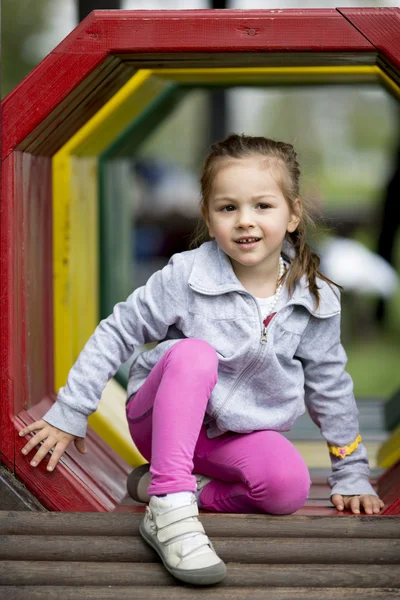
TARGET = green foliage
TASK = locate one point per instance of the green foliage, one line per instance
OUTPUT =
(20, 20)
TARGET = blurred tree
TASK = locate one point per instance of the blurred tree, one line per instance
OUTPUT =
(290, 117)
(18, 24)
(369, 108)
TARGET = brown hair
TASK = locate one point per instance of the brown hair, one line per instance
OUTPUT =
(243, 146)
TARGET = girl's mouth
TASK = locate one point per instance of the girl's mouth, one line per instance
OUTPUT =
(248, 243)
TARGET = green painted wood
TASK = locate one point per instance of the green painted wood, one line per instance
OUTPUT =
(116, 206)
(116, 201)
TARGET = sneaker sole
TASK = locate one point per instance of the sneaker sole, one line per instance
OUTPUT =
(205, 576)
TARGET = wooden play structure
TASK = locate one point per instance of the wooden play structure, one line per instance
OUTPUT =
(92, 100)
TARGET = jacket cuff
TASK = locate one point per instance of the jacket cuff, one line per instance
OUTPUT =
(352, 489)
(65, 418)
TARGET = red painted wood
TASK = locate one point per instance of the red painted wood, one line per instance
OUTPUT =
(380, 26)
(11, 371)
(214, 31)
(394, 508)
(41, 92)
(389, 490)
(95, 481)
(107, 32)
(34, 192)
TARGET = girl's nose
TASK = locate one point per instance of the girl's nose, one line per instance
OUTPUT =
(244, 219)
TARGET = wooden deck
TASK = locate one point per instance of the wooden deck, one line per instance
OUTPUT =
(316, 553)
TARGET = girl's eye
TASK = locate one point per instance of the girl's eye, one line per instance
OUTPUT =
(230, 207)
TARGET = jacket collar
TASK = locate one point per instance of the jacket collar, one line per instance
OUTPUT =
(212, 274)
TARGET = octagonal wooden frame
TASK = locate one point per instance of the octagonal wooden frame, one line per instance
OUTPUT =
(54, 102)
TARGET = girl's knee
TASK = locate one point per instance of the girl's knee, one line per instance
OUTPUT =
(287, 492)
(197, 354)
(282, 488)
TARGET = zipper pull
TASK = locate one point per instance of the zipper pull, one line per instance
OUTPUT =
(264, 336)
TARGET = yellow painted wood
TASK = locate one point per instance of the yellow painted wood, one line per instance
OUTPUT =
(389, 452)
(389, 84)
(75, 219)
(84, 241)
(111, 425)
(75, 249)
(75, 216)
(270, 75)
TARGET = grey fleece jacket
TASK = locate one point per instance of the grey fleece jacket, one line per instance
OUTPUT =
(262, 383)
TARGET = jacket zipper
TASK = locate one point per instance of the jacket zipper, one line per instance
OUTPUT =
(263, 340)
(250, 365)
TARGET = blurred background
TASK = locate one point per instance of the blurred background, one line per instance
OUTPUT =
(347, 140)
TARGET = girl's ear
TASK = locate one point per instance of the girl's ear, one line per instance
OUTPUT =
(295, 216)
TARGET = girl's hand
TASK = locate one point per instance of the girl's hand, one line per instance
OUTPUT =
(49, 438)
(371, 504)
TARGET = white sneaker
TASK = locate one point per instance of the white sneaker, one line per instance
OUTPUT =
(180, 540)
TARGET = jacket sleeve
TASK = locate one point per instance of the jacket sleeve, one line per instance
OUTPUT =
(144, 317)
(330, 401)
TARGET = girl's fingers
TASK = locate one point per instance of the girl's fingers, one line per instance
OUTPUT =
(35, 441)
(43, 450)
(56, 455)
(367, 503)
(377, 504)
(354, 504)
(32, 427)
(337, 501)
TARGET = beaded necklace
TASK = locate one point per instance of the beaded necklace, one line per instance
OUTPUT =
(278, 290)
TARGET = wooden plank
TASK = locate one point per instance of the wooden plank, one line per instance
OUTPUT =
(389, 490)
(95, 481)
(34, 99)
(14, 495)
(51, 573)
(9, 341)
(320, 30)
(394, 508)
(80, 106)
(33, 201)
(312, 508)
(190, 60)
(380, 26)
(389, 452)
(216, 525)
(181, 592)
(250, 550)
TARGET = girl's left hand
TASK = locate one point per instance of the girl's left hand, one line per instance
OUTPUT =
(371, 504)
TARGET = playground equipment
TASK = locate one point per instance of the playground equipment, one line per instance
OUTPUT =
(94, 98)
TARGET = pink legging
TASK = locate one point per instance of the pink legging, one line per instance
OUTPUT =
(259, 472)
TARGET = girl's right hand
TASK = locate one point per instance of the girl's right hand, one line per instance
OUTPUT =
(51, 438)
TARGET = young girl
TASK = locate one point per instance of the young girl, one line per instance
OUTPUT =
(249, 333)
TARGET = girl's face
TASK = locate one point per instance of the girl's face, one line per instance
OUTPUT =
(246, 203)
